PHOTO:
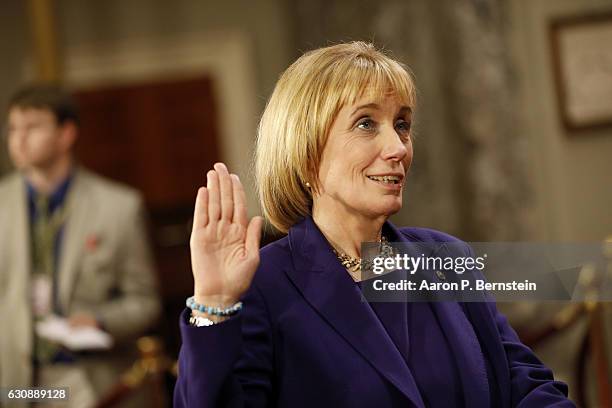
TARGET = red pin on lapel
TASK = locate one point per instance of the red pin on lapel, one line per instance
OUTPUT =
(91, 243)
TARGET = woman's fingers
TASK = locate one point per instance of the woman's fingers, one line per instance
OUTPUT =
(223, 198)
(214, 245)
(240, 209)
(214, 205)
(226, 193)
(200, 213)
(254, 234)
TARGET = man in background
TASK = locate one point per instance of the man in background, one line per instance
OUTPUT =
(72, 244)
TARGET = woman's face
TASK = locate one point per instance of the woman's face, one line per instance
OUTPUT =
(365, 159)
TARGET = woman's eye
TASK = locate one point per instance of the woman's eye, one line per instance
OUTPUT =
(366, 124)
(403, 126)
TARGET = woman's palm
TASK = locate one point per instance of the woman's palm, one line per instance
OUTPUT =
(224, 246)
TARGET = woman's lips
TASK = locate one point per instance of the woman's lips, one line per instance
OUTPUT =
(388, 186)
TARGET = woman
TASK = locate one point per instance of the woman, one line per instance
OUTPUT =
(333, 151)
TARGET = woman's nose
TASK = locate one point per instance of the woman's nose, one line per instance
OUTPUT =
(395, 147)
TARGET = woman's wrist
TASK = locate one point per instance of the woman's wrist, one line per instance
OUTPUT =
(222, 301)
(214, 308)
(213, 318)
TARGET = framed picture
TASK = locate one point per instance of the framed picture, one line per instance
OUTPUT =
(582, 62)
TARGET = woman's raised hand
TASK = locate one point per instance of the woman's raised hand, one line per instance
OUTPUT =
(224, 245)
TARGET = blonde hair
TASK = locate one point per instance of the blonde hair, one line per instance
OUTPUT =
(295, 124)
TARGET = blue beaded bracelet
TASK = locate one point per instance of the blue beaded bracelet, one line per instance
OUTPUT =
(216, 311)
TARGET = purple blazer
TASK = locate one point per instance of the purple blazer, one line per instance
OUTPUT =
(306, 339)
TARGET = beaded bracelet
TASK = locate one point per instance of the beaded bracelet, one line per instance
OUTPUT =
(215, 311)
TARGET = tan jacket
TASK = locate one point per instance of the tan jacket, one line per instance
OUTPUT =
(105, 268)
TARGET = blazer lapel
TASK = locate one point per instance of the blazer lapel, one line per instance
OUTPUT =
(79, 211)
(466, 351)
(462, 339)
(485, 326)
(328, 288)
(394, 318)
(18, 326)
(19, 233)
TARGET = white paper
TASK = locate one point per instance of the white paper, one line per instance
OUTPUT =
(58, 330)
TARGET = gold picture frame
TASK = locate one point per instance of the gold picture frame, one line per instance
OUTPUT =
(582, 63)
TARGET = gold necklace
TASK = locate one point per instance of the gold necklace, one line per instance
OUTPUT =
(353, 265)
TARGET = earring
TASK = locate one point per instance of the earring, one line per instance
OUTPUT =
(308, 184)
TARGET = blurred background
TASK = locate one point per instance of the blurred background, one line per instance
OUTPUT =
(507, 147)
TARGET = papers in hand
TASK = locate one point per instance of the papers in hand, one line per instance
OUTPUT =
(58, 330)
